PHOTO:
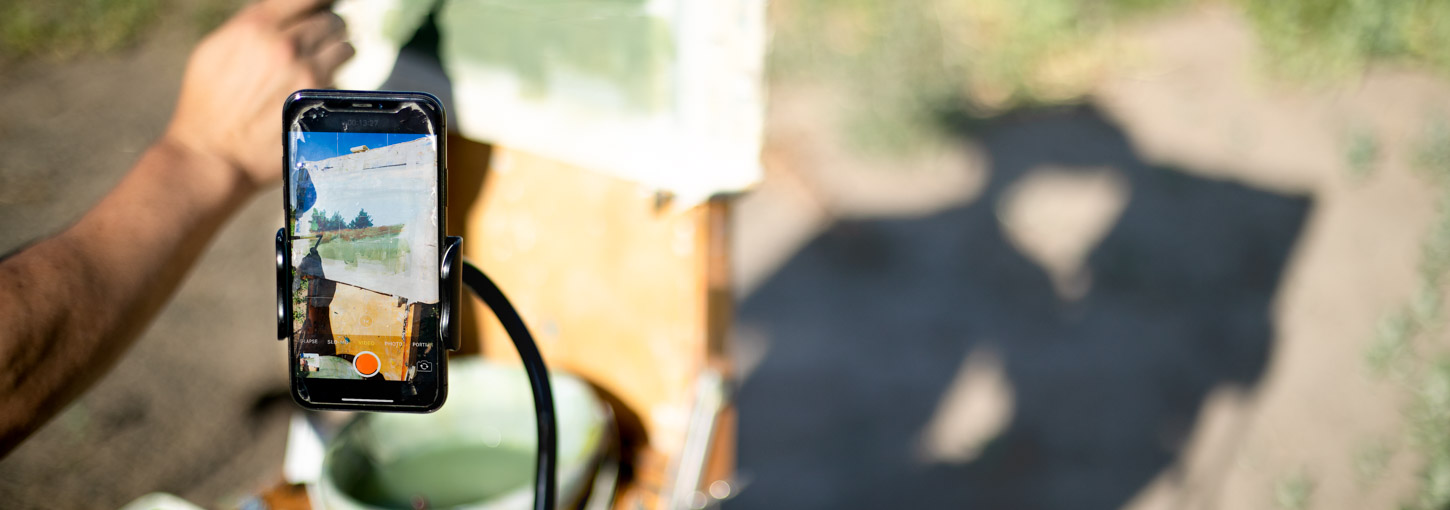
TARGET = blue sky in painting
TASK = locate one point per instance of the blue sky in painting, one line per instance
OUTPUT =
(319, 145)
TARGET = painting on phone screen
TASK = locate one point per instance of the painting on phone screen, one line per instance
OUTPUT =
(364, 240)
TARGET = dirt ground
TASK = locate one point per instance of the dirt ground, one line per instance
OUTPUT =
(1161, 298)
(199, 406)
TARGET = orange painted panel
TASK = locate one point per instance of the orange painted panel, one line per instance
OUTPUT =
(363, 320)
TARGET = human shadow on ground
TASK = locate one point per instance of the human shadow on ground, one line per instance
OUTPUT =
(870, 322)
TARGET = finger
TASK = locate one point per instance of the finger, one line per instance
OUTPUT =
(317, 31)
(329, 58)
(286, 12)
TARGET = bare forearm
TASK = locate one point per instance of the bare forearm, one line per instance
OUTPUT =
(73, 303)
(76, 301)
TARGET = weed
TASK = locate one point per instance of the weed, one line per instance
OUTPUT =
(1432, 153)
(1404, 347)
(1362, 154)
(1325, 38)
(1390, 347)
(1372, 460)
(212, 13)
(1429, 423)
(905, 64)
(65, 29)
(1294, 492)
(45, 29)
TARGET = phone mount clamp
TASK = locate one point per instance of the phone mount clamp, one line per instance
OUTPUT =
(453, 274)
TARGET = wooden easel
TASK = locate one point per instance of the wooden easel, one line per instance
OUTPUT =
(619, 286)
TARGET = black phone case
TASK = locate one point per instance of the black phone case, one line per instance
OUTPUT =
(450, 251)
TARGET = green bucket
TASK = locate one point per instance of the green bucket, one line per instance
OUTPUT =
(476, 452)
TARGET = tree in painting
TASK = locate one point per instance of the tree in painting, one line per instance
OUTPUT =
(362, 220)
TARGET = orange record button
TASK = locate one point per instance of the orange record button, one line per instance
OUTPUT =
(366, 363)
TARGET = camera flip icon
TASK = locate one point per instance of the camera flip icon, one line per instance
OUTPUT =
(424, 366)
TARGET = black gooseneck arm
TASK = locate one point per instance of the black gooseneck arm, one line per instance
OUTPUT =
(545, 478)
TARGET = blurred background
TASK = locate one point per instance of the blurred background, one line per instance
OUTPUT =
(1028, 254)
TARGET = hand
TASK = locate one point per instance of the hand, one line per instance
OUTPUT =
(240, 74)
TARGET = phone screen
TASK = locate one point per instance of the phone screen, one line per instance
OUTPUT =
(364, 229)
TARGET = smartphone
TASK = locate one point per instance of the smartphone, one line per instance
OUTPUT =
(364, 200)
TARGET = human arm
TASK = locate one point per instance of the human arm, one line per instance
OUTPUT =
(71, 304)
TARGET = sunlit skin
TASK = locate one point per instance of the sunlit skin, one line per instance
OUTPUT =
(71, 304)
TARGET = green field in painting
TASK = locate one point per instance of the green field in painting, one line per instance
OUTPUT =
(380, 248)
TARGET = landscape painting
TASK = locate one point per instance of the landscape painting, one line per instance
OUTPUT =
(364, 238)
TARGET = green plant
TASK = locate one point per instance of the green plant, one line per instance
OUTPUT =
(60, 30)
(212, 13)
(1404, 347)
(1336, 37)
(1294, 492)
(66, 29)
(1430, 430)
(1362, 154)
(1372, 459)
(904, 64)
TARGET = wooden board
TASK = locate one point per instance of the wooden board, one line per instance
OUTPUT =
(363, 320)
(617, 285)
